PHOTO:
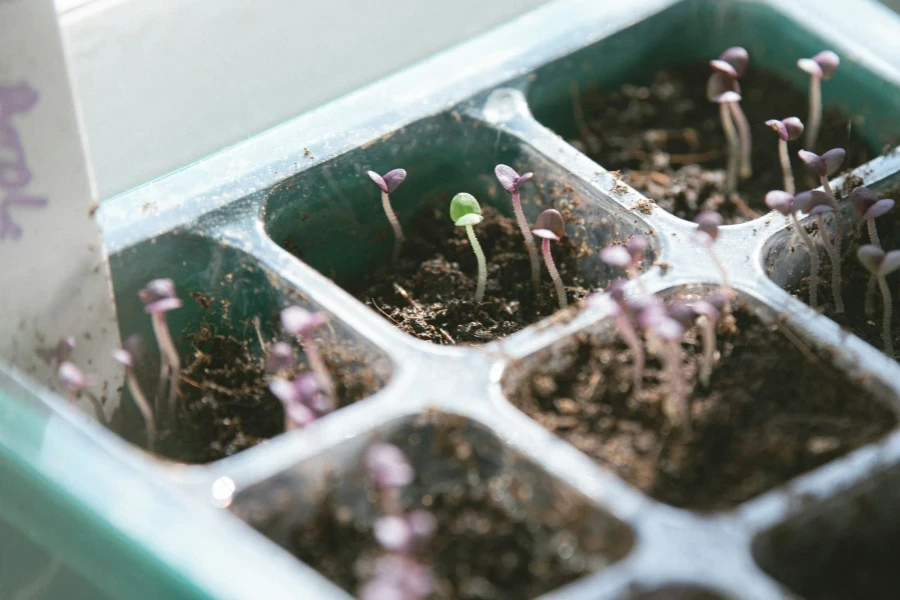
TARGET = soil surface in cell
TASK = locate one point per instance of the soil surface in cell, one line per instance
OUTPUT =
(430, 292)
(773, 409)
(854, 277)
(225, 405)
(491, 541)
(667, 141)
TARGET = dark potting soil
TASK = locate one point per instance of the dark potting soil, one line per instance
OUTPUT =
(430, 292)
(225, 405)
(490, 543)
(666, 139)
(854, 277)
(773, 410)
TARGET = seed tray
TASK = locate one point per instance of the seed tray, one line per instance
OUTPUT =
(140, 526)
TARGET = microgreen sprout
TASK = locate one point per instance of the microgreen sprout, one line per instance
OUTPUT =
(159, 298)
(788, 130)
(708, 312)
(882, 264)
(387, 184)
(550, 226)
(512, 182)
(723, 90)
(708, 223)
(131, 352)
(300, 397)
(733, 64)
(781, 201)
(868, 207)
(76, 382)
(299, 322)
(817, 203)
(825, 166)
(819, 67)
(628, 256)
(656, 321)
(397, 574)
(466, 212)
(615, 303)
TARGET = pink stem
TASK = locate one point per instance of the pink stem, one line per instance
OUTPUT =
(637, 351)
(554, 275)
(529, 242)
(169, 357)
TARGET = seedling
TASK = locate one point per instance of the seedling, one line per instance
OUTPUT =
(127, 356)
(707, 312)
(550, 226)
(733, 63)
(615, 303)
(882, 264)
(724, 91)
(280, 358)
(825, 166)
(781, 201)
(159, 298)
(708, 223)
(821, 66)
(388, 184)
(788, 130)
(817, 203)
(300, 398)
(654, 319)
(868, 207)
(397, 574)
(299, 322)
(512, 183)
(75, 383)
(628, 257)
(466, 212)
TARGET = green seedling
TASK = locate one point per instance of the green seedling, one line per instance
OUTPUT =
(466, 212)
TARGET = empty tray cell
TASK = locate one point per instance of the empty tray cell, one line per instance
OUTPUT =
(331, 217)
(787, 262)
(505, 528)
(845, 547)
(774, 408)
(636, 102)
(230, 309)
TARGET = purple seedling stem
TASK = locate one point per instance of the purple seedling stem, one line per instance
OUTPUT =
(550, 226)
(708, 223)
(300, 398)
(512, 182)
(825, 166)
(819, 67)
(733, 64)
(817, 203)
(708, 312)
(387, 184)
(614, 302)
(868, 207)
(881, 265)
(789, 129)
(159, 298)
(75, 383)
(669, 333)
(722, 90)
(781, 201)
(126, 356)
(299, 322)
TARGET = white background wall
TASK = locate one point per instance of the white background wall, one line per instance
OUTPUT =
(166, 82)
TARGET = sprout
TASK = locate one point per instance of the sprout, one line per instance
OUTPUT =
(708, 312)
(279, 358)
(821, 66)
(733, 64)
(881, 265)
(300, 398)
(724, 91)
(628, 257)
(388, 466)
(867, 206)
(614, 302)
(75, 383)
(390, 182)
(159, 298)
(708, 223)
(817, 203)
(132, 351)
(512, 183)
(788, 129)
(299, 322)
(825, 166)
(781, 201)
(670, 333)
(550, 226)
(466, 212)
